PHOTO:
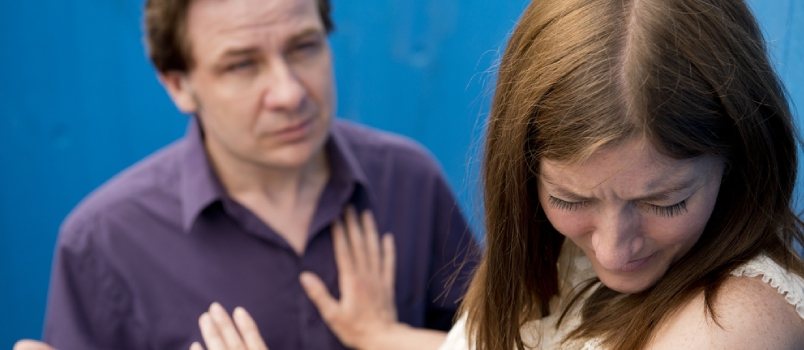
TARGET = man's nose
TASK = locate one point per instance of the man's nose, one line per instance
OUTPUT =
(617, 238)
(285, 92)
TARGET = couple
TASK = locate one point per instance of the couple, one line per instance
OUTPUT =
(639, 171)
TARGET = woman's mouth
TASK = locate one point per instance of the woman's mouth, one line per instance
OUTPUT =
(634, 265)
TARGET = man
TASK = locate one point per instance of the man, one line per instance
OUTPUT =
(236, 210)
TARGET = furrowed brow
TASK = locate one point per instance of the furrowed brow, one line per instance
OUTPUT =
(665, 194)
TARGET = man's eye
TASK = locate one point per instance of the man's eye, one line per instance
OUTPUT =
(307, 46)
(564, 205)
(242, 65)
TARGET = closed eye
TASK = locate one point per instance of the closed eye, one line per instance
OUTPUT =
(561, 204)
(670, 210)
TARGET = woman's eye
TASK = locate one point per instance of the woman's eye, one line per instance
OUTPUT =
(565, 205)
(670, 210)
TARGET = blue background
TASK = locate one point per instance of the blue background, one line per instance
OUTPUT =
(79, 102)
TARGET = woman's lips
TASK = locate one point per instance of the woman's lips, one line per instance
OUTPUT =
(636, 264)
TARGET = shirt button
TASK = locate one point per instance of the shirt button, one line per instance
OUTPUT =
(314, 319)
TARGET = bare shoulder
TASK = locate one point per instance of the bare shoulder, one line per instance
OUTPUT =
(751, 314)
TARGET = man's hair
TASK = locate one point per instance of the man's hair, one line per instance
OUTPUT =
(691, 77)
(166, 33)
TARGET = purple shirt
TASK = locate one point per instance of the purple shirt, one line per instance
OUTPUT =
(142, 257)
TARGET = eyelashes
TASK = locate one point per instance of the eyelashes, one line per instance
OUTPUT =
(564, 205)
(669, 211)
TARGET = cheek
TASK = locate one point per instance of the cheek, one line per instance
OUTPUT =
(572, 224)
(682, 231)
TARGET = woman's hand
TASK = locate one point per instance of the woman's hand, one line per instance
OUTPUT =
(366, 272)
(220, 333)
(365, 316)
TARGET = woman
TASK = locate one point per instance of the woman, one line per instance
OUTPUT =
(654, 137)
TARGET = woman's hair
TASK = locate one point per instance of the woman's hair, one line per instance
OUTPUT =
(689, 76)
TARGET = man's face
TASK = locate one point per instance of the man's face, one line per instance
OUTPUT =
(262, 82)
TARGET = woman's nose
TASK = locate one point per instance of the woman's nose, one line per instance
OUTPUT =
(617, 238)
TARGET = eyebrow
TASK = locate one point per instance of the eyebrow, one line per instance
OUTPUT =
(653, 197)
(306, 33)
(246, 51)
(249, 51)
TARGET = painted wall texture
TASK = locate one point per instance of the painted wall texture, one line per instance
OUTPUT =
(79, 102)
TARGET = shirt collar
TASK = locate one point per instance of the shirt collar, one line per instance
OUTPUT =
(201, 187)
(345, 169)
(199, 184)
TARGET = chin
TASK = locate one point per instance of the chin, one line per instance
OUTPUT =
(293, 157)
(627, 285)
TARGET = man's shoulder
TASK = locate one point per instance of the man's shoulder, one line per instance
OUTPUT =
(154, 178)
(372, 145)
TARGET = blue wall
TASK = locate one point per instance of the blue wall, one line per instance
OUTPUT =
(79, 102)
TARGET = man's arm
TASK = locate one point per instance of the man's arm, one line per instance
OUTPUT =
(88, 305)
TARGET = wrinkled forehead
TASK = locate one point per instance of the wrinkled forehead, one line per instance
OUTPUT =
(634, 163)
(218, 22)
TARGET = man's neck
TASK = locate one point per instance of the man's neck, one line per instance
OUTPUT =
(284, 198)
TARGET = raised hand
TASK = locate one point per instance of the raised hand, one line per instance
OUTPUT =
(366, 270)
(220, 333)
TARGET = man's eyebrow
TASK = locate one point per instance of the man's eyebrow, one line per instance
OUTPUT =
(305, 34)
(236, 52)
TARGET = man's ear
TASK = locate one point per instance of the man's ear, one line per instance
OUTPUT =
(180, 91)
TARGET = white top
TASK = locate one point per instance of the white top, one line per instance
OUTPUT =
(789, 285)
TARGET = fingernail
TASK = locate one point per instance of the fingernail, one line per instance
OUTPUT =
(306, 278)
(239, 313)
(216, 308)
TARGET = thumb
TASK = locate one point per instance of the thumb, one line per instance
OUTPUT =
(318, 293)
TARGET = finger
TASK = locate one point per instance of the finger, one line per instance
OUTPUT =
(26, 344)
(389, 262)
(356, 243)
(248, 329)
(196, 346)
(372, 244)
(343, 259)
(231, 337)
(317, 291)
(212, 338)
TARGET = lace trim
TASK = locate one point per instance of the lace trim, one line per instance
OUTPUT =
(788, 284)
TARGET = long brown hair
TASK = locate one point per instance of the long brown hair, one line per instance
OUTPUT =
(691, 77)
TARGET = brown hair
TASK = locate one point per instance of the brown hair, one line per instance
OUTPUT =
(689, 76)
(166, 37)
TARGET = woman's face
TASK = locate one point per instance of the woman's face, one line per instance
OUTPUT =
(632, 210)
